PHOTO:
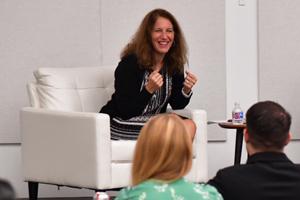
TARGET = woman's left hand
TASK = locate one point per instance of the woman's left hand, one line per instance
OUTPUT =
(189, 82)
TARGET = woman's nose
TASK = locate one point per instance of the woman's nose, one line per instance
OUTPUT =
(164, 34)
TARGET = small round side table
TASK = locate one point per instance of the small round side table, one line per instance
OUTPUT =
(238, 139)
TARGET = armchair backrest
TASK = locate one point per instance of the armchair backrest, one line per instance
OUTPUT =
(84, 89)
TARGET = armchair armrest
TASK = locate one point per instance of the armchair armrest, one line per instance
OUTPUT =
(49, 138)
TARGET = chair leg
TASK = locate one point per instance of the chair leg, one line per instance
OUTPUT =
(33, 188)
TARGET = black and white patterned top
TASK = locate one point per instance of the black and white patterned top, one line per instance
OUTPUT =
(132, 105)
(129, 129)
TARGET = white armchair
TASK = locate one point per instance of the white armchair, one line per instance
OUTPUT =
(66, 142)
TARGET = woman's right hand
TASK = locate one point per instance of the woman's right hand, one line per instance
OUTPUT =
(155, 81)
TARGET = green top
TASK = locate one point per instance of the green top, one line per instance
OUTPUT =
(180, 189)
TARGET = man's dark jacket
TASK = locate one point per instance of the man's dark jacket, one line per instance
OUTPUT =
(265, 176)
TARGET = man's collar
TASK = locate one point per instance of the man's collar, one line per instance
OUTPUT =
(268, 157)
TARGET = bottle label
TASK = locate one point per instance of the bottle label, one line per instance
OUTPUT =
(237, 117)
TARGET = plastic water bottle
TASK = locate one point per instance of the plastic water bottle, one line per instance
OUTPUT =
(101, 196)
(237, 114)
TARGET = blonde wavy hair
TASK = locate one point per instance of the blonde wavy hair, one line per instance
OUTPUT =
(163, 150)
(141, 43)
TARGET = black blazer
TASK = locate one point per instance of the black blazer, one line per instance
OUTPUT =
(265, 176)
(129, 100)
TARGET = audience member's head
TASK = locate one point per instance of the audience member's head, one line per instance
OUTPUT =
(6, 190)
(268, 126)
(163, 150)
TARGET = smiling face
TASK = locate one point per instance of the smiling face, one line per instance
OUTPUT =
(162, 36)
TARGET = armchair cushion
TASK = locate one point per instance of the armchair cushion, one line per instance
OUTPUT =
(122, 150)
(73, 89)
(58, 99)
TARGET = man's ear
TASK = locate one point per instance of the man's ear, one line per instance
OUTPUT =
(246, 135)
(288, 139)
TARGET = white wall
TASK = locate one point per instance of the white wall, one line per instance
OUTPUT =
(241, 86)
(241, 72)
(279, 55)
(34, 33)
(242, 77)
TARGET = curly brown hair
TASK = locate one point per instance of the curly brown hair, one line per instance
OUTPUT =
(142, 47)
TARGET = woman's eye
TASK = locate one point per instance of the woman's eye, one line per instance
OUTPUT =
(161, 30)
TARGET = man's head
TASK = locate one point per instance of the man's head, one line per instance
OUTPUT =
(268, 126)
